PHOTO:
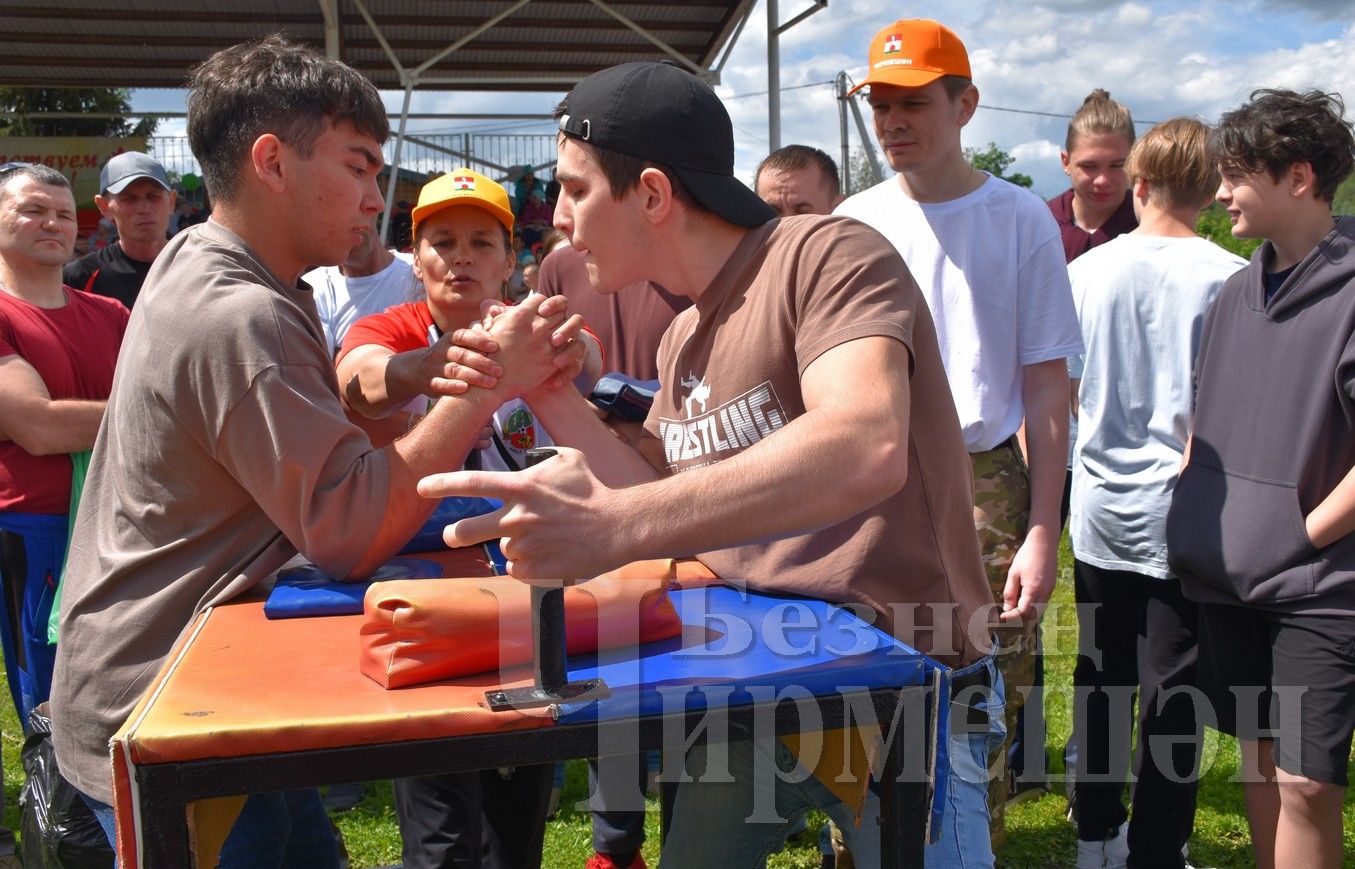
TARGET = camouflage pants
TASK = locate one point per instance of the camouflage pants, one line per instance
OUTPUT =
(1001, 515)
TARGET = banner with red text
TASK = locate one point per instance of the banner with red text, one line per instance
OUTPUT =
(79, 158)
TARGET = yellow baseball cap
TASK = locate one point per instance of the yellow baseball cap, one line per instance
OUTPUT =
(463, 187)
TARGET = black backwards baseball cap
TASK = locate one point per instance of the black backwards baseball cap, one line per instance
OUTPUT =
(666, 115)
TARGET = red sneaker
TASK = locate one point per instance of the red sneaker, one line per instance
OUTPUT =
(605, 861)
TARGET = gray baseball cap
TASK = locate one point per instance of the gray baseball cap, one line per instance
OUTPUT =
(127, 167)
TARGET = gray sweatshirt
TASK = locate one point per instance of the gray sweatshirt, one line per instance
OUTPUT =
(1274, 433)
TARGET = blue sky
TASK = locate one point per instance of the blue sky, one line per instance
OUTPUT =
(1161, 58)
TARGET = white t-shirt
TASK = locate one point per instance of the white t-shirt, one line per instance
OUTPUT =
(990, 265)
(1141, 301)
(342, 300)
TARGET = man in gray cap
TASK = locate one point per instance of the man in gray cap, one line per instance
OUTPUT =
(134, 193)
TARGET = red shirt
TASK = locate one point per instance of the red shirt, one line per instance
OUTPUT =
(1076, 240)
(73, 348)
(399, 328)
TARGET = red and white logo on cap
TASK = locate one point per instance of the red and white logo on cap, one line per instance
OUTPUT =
(893, 43)
(463, 182)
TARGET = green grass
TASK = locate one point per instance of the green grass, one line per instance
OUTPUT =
(1038, 835)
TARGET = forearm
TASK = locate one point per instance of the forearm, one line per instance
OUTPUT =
(571, 422)
(1334, 518)
(48, 427)
(377, 381)
(440, 442)
(814, 473)
(1045, 395)
(591, 369)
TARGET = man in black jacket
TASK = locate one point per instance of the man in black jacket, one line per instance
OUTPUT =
(135, 194)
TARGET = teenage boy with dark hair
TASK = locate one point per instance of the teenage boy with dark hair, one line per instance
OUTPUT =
(814, 329)
(1261, 518)
(224, 450)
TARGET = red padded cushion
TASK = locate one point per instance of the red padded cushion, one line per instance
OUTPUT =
(416, 631)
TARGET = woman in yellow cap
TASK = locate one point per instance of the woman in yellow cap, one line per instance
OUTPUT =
(395, 362)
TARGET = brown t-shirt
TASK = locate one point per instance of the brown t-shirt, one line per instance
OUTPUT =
(628, 322)
(730, 369)
(223, 451)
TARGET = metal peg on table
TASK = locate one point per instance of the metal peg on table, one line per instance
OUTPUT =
(551, 685)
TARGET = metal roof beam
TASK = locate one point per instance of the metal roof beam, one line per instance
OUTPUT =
(734, 36)
(330, 10)
(469, 36)
(659, 43)
(774, 31)
(516, 81)
(385, 46)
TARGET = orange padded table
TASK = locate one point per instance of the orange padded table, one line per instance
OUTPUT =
(246, 705)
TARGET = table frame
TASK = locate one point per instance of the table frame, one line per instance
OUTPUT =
(165, 789)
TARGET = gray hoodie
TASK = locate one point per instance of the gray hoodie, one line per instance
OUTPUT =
(1274, 433)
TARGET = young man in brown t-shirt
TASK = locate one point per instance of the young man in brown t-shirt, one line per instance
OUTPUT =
(804, 438)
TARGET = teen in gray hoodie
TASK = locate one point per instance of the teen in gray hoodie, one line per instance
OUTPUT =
(1261, 519)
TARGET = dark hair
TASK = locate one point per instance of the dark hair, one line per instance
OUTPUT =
(793, 158)
(1099, 115)
(1278, 128)
(272, 86)
(1174, 157)
(37, 171)
(622, 171)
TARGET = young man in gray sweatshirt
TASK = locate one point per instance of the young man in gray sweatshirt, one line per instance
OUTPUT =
(1260, 527)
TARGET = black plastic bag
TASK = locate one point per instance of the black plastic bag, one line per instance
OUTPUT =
(59, 831)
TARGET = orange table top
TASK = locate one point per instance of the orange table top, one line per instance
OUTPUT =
(211, 701)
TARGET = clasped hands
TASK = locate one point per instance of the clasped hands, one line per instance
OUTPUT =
(512, 349)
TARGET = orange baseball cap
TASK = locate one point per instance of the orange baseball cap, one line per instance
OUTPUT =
(463, 187)
(913, 52)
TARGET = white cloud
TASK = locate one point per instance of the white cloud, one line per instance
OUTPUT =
(1040, 160)
(1133, 15)
(1041, 47)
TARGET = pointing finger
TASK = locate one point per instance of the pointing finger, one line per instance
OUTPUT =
(468, 484)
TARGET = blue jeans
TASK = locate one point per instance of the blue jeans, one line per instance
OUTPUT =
(964, 840)
(32, 553)
(287, 829)
(710, 825)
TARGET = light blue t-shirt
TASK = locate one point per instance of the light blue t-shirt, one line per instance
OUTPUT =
(1141, 302)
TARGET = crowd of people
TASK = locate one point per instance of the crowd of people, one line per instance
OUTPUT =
(183, 413)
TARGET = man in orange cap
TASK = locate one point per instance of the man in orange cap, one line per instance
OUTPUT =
(989, 261)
